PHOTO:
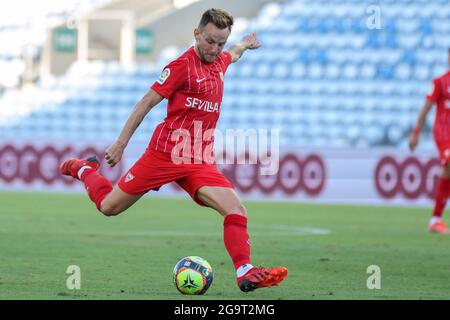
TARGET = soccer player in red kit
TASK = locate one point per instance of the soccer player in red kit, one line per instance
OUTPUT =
(440, 94)
(193, 85)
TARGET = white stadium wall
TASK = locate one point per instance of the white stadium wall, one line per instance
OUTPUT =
(381, 176)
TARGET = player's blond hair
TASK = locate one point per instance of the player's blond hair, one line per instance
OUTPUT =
(218, 17)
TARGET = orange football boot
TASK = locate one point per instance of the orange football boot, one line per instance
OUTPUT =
(259, 277)
(439, 227)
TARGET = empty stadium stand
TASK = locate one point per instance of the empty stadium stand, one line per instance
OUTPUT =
(322, 76)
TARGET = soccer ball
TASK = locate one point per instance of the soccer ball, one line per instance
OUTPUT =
(192, 275)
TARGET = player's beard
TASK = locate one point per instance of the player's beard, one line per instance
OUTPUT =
(203, 56)
(211, 58)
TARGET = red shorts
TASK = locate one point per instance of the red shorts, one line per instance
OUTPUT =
(155, 169)
(444, 151)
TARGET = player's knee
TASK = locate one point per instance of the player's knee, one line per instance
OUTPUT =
(446, 172)
(238, 209)
(109, 210)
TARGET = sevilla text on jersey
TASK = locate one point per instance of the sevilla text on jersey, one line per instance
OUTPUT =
(204, 105)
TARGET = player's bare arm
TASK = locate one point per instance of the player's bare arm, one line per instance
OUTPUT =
(115, 151)
(248, 42)
(414, 138)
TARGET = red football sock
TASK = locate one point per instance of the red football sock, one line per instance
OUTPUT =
(236, 239)
(441, 196)
(96, 186)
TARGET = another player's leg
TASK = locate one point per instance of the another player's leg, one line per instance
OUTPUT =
(441, 195)
(225, 201)
(108, 200)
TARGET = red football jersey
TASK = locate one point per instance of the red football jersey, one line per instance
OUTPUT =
(440, 94)
(194, 91)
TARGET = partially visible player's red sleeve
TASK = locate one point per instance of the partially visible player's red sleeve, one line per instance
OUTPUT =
(171, 78)
(225, 60)
(435, 93)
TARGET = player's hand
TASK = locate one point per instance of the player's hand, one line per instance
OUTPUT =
(251, 42)
(114, 153)
(413, 141)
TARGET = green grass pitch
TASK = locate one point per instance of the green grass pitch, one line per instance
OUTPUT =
(327, 249)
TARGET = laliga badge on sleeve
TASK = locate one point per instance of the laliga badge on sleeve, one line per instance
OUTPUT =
(163, 76)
